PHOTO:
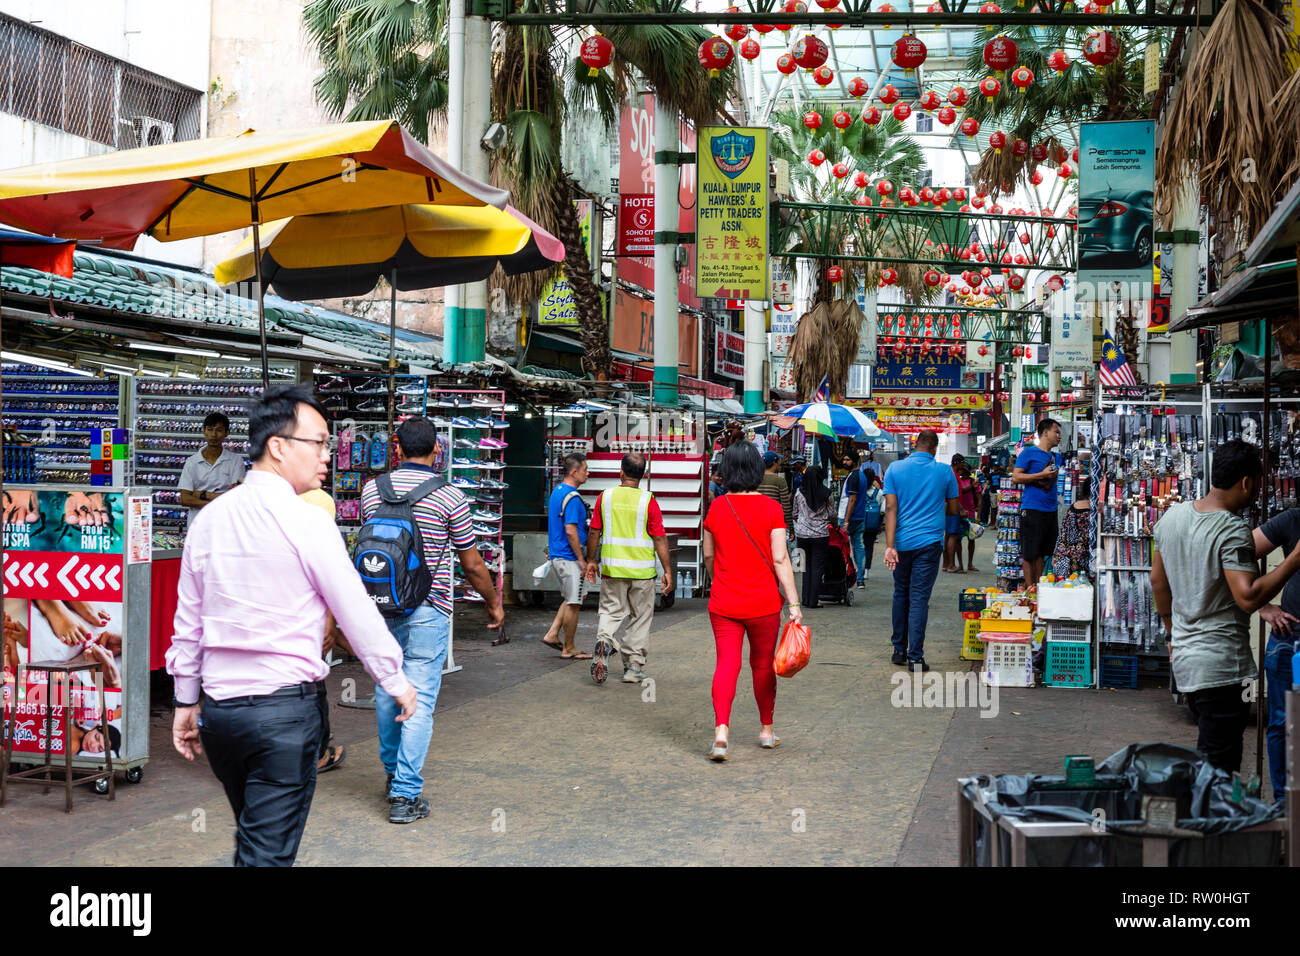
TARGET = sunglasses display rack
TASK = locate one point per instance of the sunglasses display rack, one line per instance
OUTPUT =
(1243, 418)
(169, 415)
(474, 426)
(357, 406)
(56, 414)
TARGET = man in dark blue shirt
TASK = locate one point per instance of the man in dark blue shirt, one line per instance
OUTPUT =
(1036, 468)
(566, 526)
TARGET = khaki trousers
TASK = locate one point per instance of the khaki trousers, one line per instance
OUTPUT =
(631, 600)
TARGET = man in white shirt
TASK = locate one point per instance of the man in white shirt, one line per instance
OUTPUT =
(211, 470)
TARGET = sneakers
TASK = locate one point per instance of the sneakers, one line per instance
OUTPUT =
(493, 484)
(600, 660)
(634, 675)
(490, 465)
(412, 388)
(482, 514)
(406, 810)
(861, 586)
(374, 405)
(464, 483)
(464, 463)
(498, 423)
(899, 660)
(483, 423)
(483, 401)
(493, 443)
(334, 385)
(920, 665)
(463, 443)
(483, 529)
(489, 497)
(411, 407)
(374, 386)
(460, 421)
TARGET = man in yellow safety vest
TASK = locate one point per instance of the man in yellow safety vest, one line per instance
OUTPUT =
(631, 534)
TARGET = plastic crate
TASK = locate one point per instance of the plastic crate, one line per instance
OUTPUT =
(1119, 671)
(1069, 664)
(972, 602)
(972, 648)
(1008, 663)
(1069, 633)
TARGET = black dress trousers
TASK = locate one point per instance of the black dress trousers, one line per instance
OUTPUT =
(264, 751)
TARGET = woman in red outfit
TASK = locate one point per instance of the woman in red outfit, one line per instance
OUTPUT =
(745, 553)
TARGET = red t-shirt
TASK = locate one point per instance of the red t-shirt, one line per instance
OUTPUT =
(744, 582)
(654, 518)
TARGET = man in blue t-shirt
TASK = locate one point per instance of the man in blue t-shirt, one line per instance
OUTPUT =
(1036, 468)
(919, 494)
(566, 528)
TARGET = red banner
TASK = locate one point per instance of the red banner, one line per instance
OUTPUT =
(60, 576)
(636, 225)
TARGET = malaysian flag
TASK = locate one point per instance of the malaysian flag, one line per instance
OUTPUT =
(1114, 370)
(823, 393)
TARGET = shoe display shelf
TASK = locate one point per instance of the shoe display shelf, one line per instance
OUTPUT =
(168, 418)
(357, 407)
(56, 413)
(473, 424)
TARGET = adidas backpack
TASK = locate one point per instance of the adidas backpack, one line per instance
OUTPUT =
(389, 553)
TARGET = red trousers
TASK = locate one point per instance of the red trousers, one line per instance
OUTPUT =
(729, 635)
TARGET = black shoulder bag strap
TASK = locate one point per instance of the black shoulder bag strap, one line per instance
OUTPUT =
(754, 543)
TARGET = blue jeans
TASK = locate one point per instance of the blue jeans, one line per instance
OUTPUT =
(1277, 668)
(913, 581)
(403, 747)
(859, 547)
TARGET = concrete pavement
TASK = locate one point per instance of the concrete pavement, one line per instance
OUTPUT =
(533, 764)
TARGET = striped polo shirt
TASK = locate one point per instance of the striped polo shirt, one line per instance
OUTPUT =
(441, 516)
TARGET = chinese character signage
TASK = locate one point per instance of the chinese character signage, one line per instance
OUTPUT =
(909, 422)
(1115, 229)
(941, 376)
(731, 213)
(1071, 341)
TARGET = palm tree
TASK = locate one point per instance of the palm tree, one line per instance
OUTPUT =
(383, 59)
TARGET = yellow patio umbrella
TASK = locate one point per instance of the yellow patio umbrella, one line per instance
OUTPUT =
(199, 188)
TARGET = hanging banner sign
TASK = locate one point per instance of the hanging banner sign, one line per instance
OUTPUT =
(906, 422)
(943, 376)
(636, 225)
(968, 401)
(1071, 342)
(557, 307)
(1116, 229)
(728, 354)
(731, 213)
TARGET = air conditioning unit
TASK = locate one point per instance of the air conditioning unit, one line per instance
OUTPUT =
(151, 131)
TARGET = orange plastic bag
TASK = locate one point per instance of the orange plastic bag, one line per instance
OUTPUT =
(794, 650)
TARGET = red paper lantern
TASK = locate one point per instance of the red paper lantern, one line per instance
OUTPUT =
(736, 31)
(1036, 178)
(909, 53)
(959, 193)
(1017, 282)
(932, 278)
(927, 195)
(990, 8)
(716, 54)
(823, 75)
(990, 87)
(1019, 149)
(1074, 154)
(816, 157)
(812, 119)
(828, 4)
(810, 52)
(958, 96)
(871, 116)
(1039, 152)
(995, 209)
(902, 111)
(750, 48)
(764, 28)
(862, 201)
(887, 8)
(785, 64)
(596, 52)
(842, 119)
(971, 127)
(889, 276)
(1100, 48)
(1059, 61)
(978, 201)
(906, 195)
(858, 87)
(946, 115)
(1064, 170)
(834, 274)
(839, 170)
(1022, 77)
(884, 187)
(930, 101)
(1001, 53)
(889, 94)
(860, 179)
(1055, 283)
(997, 139)
(943, 195)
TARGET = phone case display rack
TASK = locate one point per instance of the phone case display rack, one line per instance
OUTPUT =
(1007, 551)
(1149, 455)
(56, 414)
(357, 404)
(473, 423)
(169, 417)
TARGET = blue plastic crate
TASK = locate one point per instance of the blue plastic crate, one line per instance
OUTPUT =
(1068, 664)
(1119, 671)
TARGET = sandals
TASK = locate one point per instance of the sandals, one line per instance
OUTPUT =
(719, 751)
(334, 757)
(769, 742)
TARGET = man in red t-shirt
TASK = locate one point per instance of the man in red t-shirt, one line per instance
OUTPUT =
(629, 527)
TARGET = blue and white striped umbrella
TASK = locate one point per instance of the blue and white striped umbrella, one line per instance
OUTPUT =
(840, 419)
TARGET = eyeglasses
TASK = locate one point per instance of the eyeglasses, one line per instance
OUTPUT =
(330, 443)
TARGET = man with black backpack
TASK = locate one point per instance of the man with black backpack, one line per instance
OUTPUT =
(403, 553)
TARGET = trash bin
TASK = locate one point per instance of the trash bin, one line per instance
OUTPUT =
(1150, 804)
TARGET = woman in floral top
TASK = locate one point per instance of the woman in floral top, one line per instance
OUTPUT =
(1071, 555)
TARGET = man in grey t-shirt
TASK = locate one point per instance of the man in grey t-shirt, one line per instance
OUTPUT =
(1206, 586)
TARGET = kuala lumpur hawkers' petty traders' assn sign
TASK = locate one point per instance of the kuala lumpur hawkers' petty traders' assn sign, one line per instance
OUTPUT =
(732, 213)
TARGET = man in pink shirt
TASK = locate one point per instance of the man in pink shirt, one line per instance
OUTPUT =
(261, 568)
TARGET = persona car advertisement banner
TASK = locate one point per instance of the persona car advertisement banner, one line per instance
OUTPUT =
(63, 582)
(1116, 229)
